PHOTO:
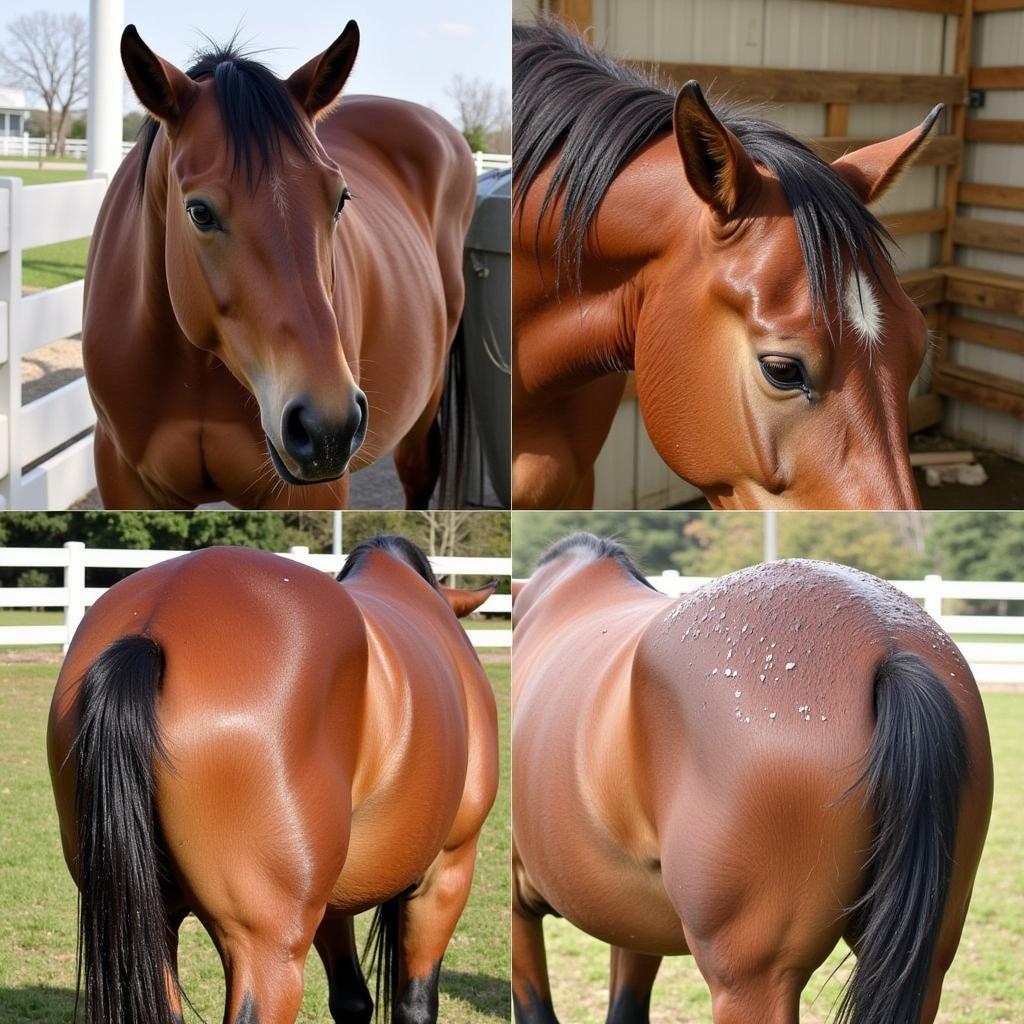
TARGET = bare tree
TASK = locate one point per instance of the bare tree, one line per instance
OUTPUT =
(484, 116)
(47, 54)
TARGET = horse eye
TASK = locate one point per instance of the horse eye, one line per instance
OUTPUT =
(201, 215)
(342, 199)
(784, 373)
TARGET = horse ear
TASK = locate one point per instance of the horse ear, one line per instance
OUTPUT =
(872, 170)
(717, 166)
(464, 602)
(162, 89)
(317, 83)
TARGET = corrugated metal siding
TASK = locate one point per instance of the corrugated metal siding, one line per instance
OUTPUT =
(998, 42)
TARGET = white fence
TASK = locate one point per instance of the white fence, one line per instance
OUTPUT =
(52, 434)
(491, 161)
(74, 596)
(990, 661)
(27, 146)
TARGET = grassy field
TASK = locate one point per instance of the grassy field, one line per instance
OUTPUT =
(37, 898)
(50, 265)
(984, 986)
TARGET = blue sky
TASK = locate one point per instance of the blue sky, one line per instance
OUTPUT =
(409, 48)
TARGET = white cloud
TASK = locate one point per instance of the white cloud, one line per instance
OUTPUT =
(456, 29)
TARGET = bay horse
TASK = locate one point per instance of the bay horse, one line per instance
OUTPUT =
(242, 737)
(741, 278)
(793, 754)
(273, 287)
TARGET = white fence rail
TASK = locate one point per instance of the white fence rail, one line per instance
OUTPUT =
(46, 445)
(28, 146)
(74, 596)
(990, 661)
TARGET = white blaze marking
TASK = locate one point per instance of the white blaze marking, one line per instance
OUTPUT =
(862, 309)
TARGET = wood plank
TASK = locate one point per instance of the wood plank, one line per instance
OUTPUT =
(1001, 197)
(989, 390)
(926, 6)
(988, 234)
(924, 287)
(800, 85)
(998, 78)
(938, 150)
(977, 130)
(987, 6)
(985, 289)
(915, 222)
(957, 458)
(1005, 338)
(957, 124)
(575, 12)
(837, 119)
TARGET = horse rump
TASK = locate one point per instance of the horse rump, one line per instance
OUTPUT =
(122, 923)
(915, 773)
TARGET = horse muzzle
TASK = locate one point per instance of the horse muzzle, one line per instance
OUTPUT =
(313, 447)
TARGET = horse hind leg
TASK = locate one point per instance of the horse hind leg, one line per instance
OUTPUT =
(531, 987)
(349, 998)
(632, 978)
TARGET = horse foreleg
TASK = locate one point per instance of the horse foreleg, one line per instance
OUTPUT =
(632, 978)
(418, 455)
(531, 989)
(428, 920)
(349, 998)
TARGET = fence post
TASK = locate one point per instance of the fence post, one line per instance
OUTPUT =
(10, 352)
(299, 551)
(671, 583)
(933, 596)
(74, 580)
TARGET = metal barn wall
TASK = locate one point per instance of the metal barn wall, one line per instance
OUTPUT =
(998, 42)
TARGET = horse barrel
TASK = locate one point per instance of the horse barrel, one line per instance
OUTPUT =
(487, 268)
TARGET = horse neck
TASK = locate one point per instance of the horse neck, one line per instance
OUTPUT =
(647, 211)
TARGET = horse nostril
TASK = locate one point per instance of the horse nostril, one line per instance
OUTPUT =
(361, 419)
(299, 428)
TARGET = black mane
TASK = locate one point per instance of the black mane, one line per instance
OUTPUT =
(596, 113)
(598, 547)
(399, 547)
(255, 107)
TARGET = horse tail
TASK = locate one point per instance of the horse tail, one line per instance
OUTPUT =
(916, 769)
(380, 955)
(453, 421)
(122, 924)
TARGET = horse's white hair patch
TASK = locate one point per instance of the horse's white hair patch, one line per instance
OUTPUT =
(278, 193)
(861, 309)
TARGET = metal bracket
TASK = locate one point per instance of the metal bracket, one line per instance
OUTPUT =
(975, 99)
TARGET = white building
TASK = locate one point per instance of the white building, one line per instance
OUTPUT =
(13, 115)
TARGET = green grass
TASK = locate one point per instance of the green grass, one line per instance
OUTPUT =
(984, 985)
(50, 265)
(29, 617)
(37, 897)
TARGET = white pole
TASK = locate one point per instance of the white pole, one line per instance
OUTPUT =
(336, 541)
(74, 580)
(771, 536)
(106, 20)
(933, 596)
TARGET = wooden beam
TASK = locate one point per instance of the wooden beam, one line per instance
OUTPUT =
(837, 119)
(937, 151)
(977, 130)
(798, 85)
(998, 78)
(989, 390)
(1000, 197)
(579, 13)
(914, 222)
(958, 123)
(985, 289)
(1004, 338)
(926, 6)
(987, 6)
(924, 287)
(989, 234)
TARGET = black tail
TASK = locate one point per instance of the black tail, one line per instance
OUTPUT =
(380, 955)
(453, 419)
(915, 773)
(122, 925)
